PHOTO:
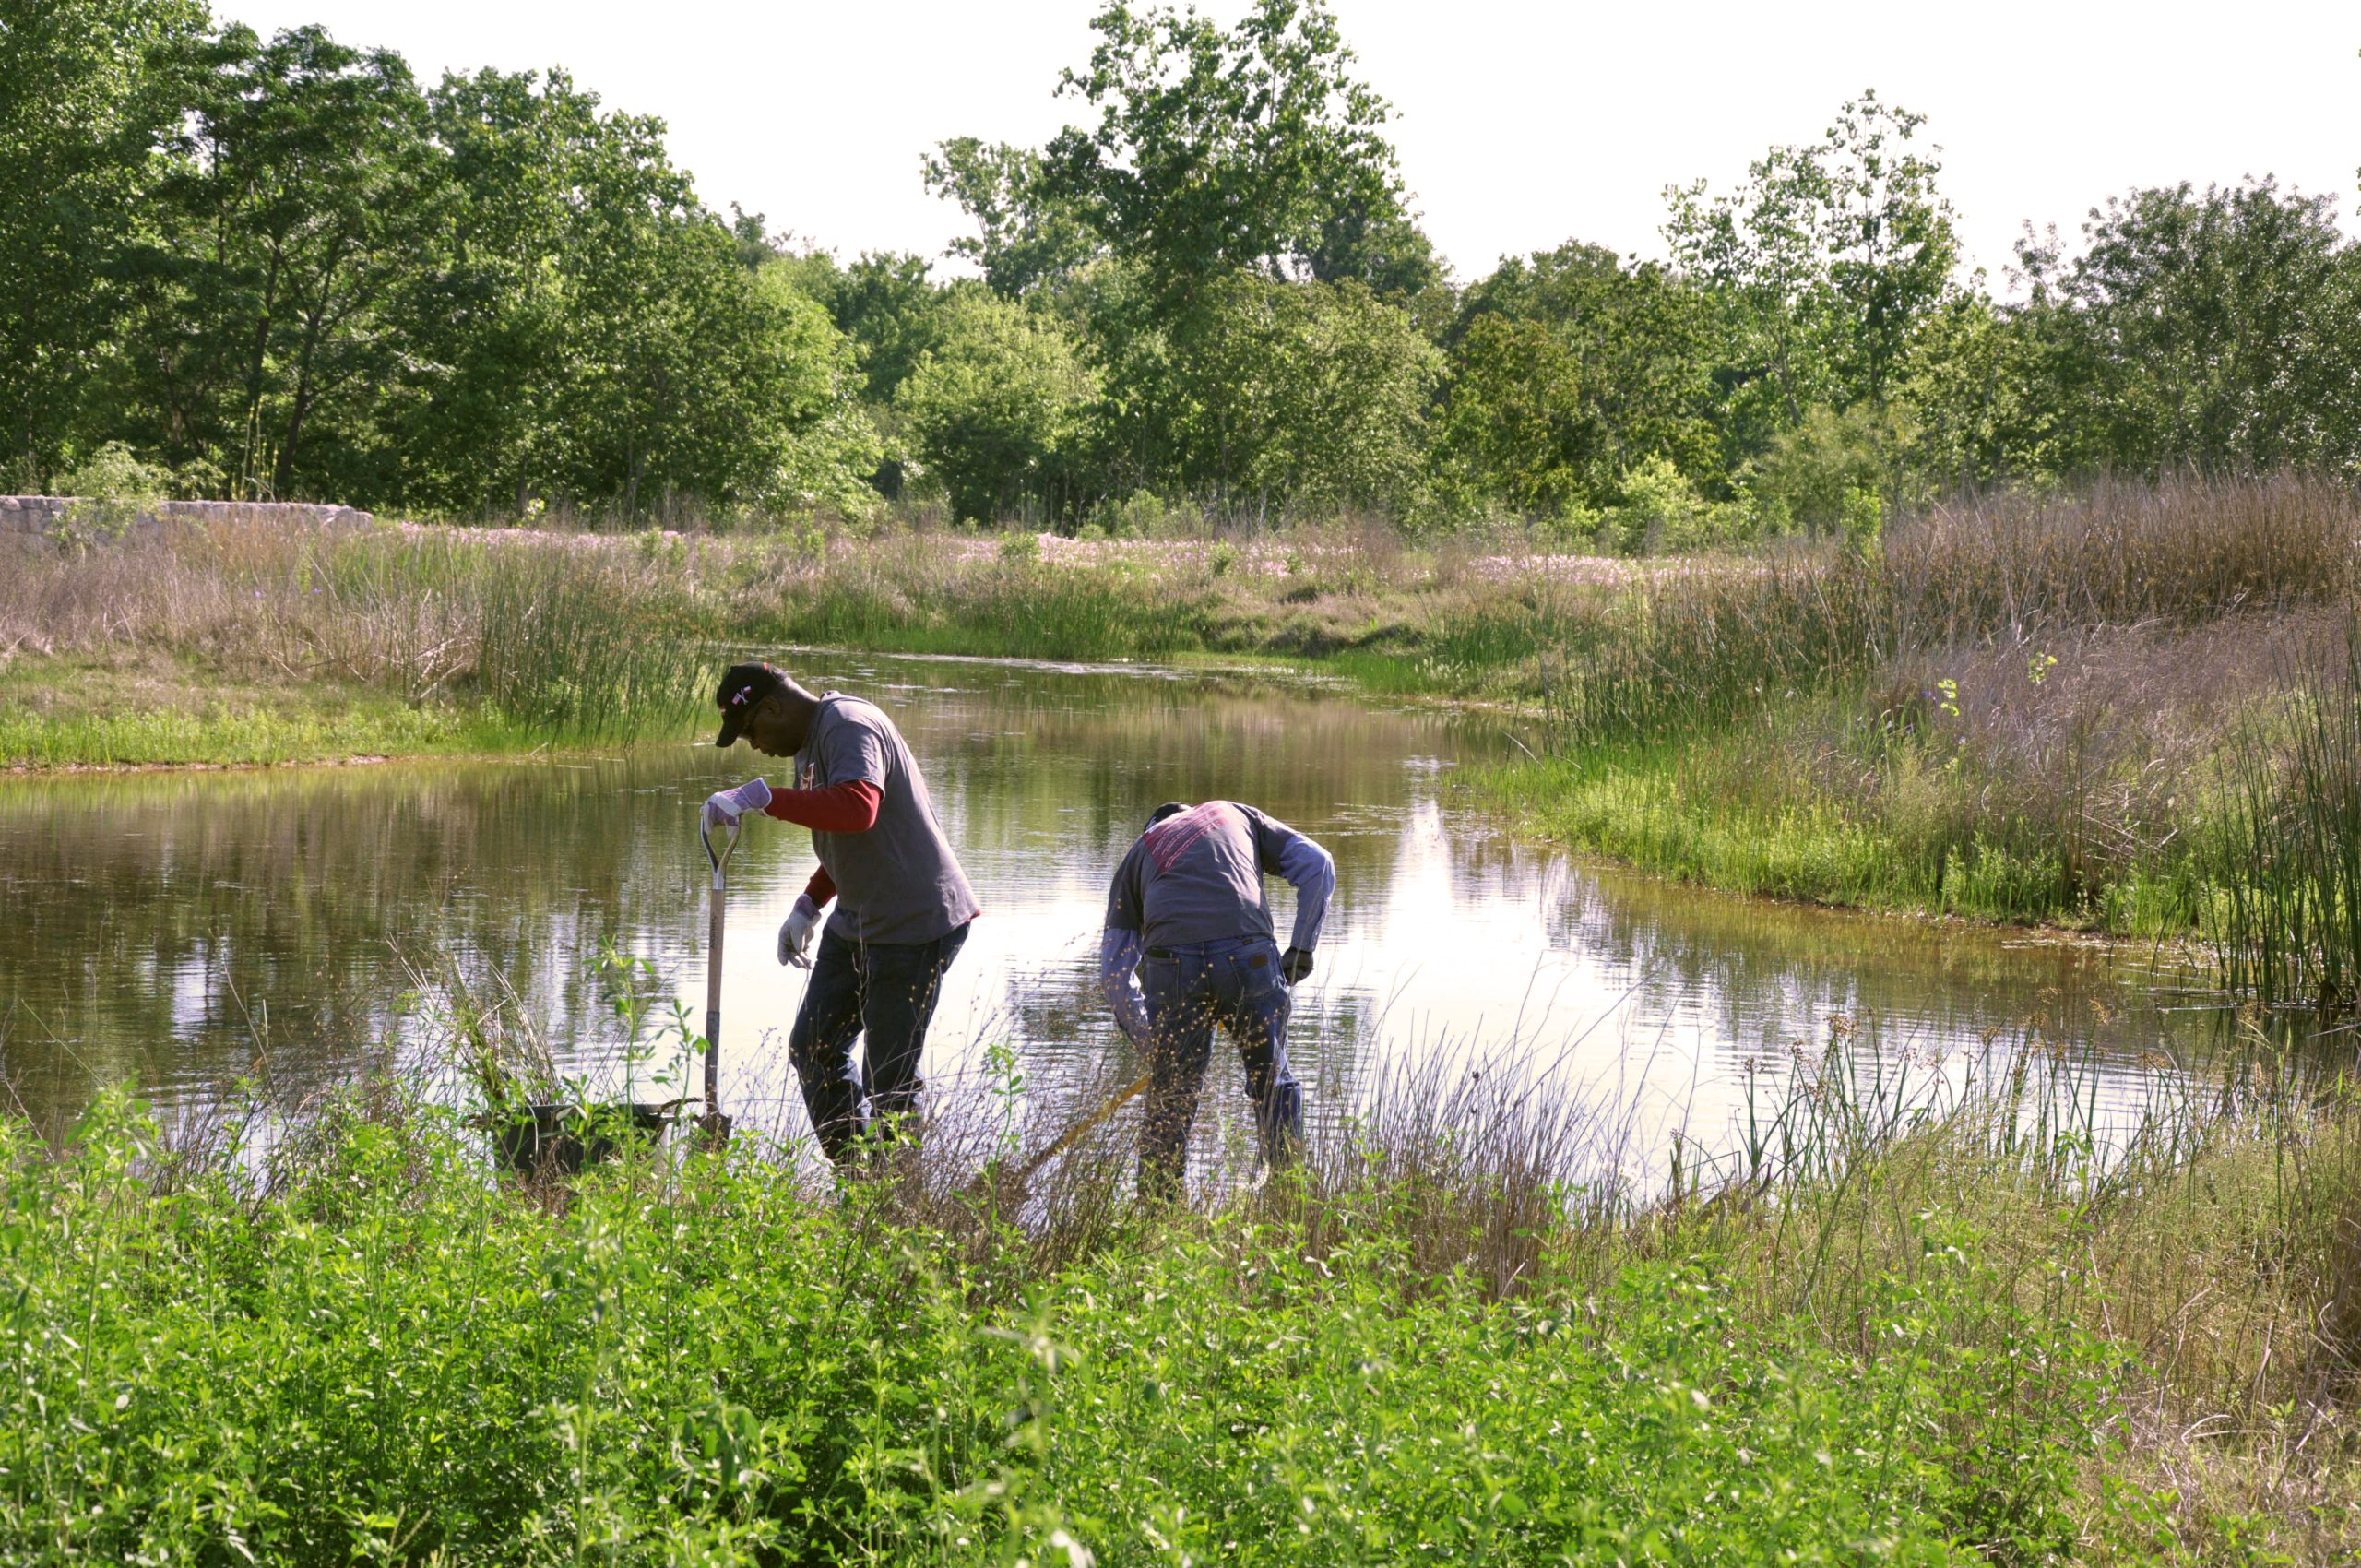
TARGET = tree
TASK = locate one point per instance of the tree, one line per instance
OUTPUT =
(84, 103)
(1517, 424)
(1305, 393)
(598, 337)
(893, 313)
(997, 408)
(494, 329)
(1972, 394)
(1027, 233)
(1891, 248)
(1826, 262)
(1568, 370)
(1252, 149)
(302, 194)
(2221, 330)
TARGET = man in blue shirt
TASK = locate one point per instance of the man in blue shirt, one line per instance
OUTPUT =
(1186, 912)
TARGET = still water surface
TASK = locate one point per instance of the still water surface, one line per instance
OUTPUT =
(164, 928)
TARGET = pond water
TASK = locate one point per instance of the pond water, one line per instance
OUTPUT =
(175, 929)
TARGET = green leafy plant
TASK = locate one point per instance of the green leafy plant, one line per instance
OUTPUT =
(113, 490)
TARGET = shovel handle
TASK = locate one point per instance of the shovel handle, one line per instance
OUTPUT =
(719, 859)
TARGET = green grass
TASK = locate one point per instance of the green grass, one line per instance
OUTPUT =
(1904, 1311)
(383, 1355)
(1713, 812)
(73, 712)
(1966, 1329)
(215, 735)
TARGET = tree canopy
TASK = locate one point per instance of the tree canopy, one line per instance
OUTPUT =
(283, 267)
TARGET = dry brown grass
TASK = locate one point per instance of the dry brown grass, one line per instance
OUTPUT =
(2119, 552)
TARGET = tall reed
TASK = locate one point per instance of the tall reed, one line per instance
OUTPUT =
(590, 647)
(1700, 645)
(2288, 914)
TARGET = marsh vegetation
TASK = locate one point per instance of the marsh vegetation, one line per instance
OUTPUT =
(1973, 1324)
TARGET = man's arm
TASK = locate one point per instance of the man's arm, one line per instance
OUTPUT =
(1119, 945)
(1119, 958)
(849, 807)
(1311, 869)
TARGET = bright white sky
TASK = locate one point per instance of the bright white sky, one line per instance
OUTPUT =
(1519, 124)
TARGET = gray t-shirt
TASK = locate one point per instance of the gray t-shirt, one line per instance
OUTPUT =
(1198, 877)
(898, 882)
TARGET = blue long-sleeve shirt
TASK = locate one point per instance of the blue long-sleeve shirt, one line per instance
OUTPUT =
(1197, 877)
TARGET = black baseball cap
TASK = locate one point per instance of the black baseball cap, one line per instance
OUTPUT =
(1169, 808)
(744, 685)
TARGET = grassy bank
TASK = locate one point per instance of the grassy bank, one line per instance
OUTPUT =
(1924, 1332)
(2054, 711)
(241, 643)
(127, 710)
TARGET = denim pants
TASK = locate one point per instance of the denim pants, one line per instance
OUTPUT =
(887, 989)
(1189, 989)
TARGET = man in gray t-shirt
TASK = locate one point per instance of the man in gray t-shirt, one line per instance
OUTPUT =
(903, 903)
(1186, 911)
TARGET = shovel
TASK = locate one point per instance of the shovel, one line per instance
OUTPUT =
(713, 1127)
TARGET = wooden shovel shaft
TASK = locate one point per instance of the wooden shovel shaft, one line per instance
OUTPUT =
(712, 999)
(720, 858)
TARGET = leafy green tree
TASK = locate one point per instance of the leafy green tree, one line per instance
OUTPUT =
(2221, 330)
(830, 447)
(893, 313)
(1826, 262)
(1027, 234)
(1803, 478)
(1218, 156)
(757, 246)
(1891, 247)
(1305, 393)
(599, 338)
(1971, 395)
(688, 379)
(1518, 424)
(997, 410)
(302, 195)
(1218, 151)
(890, 311)
(1568, 369)
(83, 103)
(494, 329)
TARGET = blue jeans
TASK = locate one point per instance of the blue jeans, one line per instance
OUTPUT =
(1234, 983)
(888, 990)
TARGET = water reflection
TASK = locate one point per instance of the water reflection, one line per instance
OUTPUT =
(167, 927)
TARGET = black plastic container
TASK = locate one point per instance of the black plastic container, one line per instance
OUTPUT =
(564, 1138)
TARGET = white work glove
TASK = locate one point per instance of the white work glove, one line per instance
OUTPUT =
(726, 806)
(795, 937)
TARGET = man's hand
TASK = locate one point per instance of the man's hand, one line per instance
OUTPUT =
(795, 937)
(1294, 964)
(726, 806)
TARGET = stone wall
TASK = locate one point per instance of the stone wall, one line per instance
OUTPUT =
(38, 514)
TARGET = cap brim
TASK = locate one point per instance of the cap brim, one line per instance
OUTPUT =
(731, 730)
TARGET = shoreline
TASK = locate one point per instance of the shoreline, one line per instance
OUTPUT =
(1490, 788)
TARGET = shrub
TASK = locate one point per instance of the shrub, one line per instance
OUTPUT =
(1661, 511)
(112, 490)
(995, 408)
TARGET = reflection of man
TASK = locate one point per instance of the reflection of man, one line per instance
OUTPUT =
(903, 903)
(1186, 911)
